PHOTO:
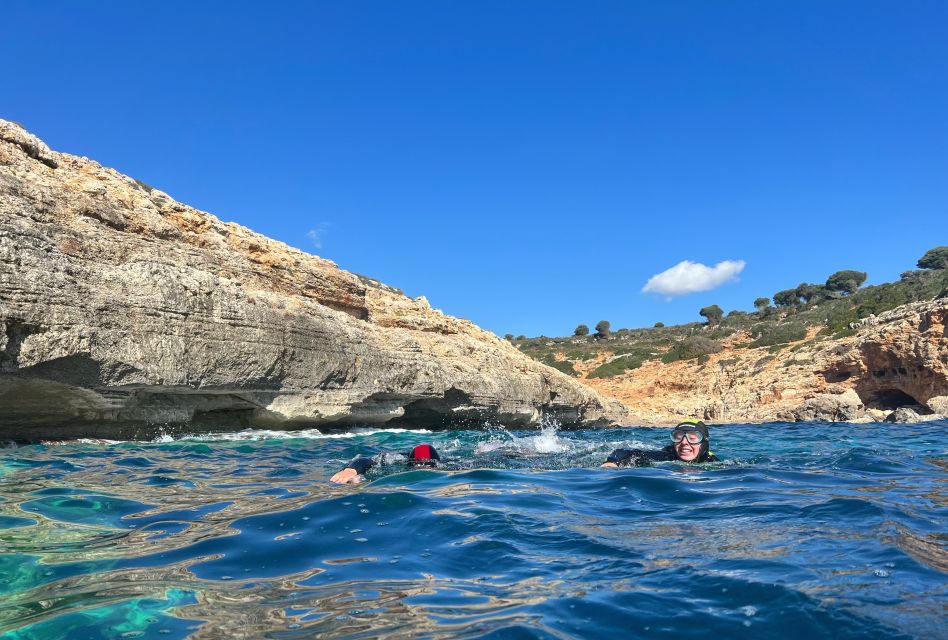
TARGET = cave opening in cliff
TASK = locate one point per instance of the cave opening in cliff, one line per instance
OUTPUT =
(892, 399)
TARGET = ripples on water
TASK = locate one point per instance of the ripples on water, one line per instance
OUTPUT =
(807, 530)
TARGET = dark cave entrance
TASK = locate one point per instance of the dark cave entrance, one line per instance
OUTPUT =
(892, 399)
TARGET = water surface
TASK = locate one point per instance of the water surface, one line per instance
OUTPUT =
(804, 531)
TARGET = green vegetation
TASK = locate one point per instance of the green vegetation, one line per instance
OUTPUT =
(508, 337)
(769, 335)
(623, 363)
(786, 298)
(713, 313)
(807, 291)
(581, 330)
(692, 347)
(803, 310)
(144, 186)
(936, 258)
(603, 329)
(846, 282)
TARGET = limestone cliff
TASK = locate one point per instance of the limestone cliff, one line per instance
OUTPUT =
(121, 308)
(895, 360)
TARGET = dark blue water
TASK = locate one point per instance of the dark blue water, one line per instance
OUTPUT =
(806, 531)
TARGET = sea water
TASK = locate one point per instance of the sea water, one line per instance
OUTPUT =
(804, 530)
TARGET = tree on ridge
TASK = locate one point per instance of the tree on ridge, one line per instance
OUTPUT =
(713, 313)
(936, 258)
(786, 298)
(846, 281)
(603, 328)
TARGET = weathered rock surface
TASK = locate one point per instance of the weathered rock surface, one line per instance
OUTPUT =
(897, 359)
(829, 407)
(121, 308)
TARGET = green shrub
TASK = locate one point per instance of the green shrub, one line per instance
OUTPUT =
(602, 329)
(769, 335)
(936, 258)
(722, 332)
(562, 365)
(713, 313)
(628, 358)
(761, 303)
(581, 330)
(690, 348)
(659, 325)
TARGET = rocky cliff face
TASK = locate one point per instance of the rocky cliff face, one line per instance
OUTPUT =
(896, 361)
(122, 310)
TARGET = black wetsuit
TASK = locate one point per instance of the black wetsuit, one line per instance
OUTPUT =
(644, 457)
(363, 463)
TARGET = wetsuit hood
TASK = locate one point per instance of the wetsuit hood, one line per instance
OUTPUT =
(702, 428)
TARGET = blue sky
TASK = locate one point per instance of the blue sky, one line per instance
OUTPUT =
(527, 165)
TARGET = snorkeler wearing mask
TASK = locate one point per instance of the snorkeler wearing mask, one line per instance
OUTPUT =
(690, 443)
(424, 455)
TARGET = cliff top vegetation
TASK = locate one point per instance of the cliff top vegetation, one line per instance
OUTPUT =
(804, 313)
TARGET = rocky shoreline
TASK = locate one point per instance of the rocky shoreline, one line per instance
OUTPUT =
(124, 312)
(894, 368)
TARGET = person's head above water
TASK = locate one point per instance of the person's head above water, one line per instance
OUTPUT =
(423, 455)
(691, 440)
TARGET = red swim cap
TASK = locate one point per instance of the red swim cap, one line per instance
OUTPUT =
(423, 454)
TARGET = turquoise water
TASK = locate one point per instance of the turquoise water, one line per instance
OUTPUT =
(805, 531)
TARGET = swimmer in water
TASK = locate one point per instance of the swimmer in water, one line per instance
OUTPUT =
(424, 455)
(691, 442)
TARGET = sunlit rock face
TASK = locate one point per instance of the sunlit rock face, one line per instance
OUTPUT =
(122, 310)
(899, 359)
(896, 360)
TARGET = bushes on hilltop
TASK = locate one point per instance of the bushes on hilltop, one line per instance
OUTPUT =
(846, 281)
(581, 330)
(713, 313)
(808, 292)
(770, 335)
(603, 329)
(623, 363)
(691, 347)
(771, 327)
(786, 298)
(936, 258)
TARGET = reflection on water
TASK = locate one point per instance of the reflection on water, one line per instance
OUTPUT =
(804, 531)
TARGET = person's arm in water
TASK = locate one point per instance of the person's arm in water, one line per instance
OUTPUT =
(625, 458)
(355, 471)
(636, 457)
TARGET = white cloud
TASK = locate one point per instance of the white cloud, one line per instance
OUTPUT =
(690, 277)
(315, 235)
